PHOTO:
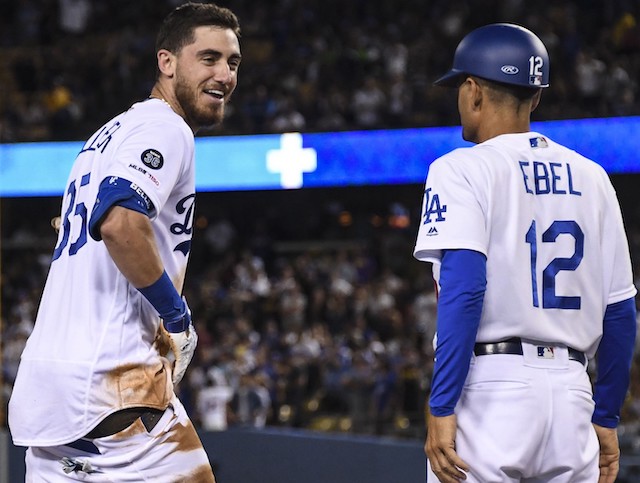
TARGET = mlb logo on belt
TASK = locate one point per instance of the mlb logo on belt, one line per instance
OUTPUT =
(546, 352)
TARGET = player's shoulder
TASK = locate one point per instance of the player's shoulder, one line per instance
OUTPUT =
(535, 142)
(573, 156)
(455, 156)
(498, 146)
(156, 114)
(465, 159)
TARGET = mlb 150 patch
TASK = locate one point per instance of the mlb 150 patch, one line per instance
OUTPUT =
(152, 159)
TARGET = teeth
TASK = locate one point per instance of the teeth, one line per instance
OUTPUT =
(215, 92)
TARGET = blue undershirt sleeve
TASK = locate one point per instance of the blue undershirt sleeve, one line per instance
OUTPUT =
(172, 309)
(614, 357)
(117, 191)
(463, 281)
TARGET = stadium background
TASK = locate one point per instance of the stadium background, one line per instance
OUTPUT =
(308, 298)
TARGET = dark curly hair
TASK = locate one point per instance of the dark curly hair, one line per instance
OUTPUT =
(178, 27)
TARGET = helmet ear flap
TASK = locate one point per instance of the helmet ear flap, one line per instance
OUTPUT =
(501, 52)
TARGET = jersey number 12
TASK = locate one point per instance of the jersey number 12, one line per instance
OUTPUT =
(549, 298)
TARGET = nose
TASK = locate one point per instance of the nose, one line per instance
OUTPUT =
(223, 73)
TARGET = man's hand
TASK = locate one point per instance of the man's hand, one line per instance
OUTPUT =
(440, 449)
(183, 345)
(609, 454)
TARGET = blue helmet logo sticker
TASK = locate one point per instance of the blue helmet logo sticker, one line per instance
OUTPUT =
(510, 69)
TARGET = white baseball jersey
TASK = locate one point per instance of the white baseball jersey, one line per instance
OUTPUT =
(92, 351)
(548, 221)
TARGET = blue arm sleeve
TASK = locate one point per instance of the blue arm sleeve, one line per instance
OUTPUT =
(463, 280)
(614, 362)
(121, 192)
(164, 297)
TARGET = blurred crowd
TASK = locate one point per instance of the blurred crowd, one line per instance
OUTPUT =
(313, 65)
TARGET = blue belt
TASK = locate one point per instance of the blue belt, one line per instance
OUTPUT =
(514, 346)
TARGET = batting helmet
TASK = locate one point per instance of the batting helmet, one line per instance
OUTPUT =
(500, 52)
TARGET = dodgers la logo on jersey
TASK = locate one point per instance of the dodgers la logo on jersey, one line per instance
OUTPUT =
(433, 208)
(184, 207)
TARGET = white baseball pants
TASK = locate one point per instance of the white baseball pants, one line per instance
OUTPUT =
(172, 452)
(523, 418)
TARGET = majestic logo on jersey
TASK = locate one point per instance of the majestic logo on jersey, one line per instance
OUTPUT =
(433, 231)
(152, 159)
(433, 208)
(184, 207)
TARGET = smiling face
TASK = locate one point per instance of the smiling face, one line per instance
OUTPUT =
(206, 74)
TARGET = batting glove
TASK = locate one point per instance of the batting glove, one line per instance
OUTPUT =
(183, 341)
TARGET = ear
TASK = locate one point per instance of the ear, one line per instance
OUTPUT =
(477, 93)
(536, 100)
(166, 62)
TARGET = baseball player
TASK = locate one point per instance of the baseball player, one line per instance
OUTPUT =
(532, 265)
(94, 396)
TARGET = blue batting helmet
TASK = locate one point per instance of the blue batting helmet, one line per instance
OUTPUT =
(500, 52)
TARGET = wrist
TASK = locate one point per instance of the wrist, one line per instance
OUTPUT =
(171, 308)
(179, 323)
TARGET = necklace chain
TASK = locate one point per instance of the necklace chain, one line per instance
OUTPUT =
(161, 99)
